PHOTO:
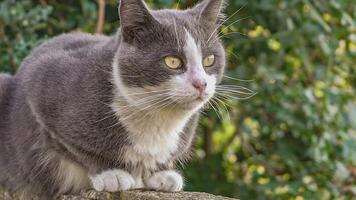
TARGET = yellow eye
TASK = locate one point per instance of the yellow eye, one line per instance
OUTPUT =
(209, 61)
(173, 62)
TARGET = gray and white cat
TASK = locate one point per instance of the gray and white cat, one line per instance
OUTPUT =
(111, 113)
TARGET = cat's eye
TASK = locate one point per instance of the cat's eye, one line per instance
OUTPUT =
(173, 62)
(209, 61)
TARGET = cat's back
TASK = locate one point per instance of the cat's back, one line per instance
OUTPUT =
(66, 50)
(67, 57)
(54, 76)
(70, 42)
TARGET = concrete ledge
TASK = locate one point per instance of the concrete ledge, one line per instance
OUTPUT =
(130, 195)
(146, 195)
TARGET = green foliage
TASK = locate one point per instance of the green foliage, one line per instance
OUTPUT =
(296, 139)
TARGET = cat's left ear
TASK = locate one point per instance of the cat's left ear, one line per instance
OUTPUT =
(210, 12)
(135, 20)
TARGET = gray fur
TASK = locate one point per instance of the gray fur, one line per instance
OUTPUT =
(57, 105)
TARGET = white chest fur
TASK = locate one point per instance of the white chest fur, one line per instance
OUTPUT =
(153, 138)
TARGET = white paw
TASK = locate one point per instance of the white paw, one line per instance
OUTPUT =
(169, 181)
(112, 181)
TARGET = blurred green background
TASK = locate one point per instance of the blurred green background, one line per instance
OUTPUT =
(295, 139)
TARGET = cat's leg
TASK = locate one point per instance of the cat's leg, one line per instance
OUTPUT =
(112, 181)
(168, 180)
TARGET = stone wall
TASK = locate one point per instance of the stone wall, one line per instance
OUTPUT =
(129, 195)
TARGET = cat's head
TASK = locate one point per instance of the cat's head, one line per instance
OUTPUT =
(169, 57)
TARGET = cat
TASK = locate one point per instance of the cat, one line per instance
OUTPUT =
(111, 113)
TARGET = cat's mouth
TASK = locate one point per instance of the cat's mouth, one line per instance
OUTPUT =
(194, 102)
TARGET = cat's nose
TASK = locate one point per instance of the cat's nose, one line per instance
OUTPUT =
(200, 85)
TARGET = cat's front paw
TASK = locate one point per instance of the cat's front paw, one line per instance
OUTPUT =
(112, 181)
(169, 181)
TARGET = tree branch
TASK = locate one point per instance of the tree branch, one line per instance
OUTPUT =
(101, 16)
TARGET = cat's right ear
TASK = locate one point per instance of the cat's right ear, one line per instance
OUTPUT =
(210, 13)
(135, 20)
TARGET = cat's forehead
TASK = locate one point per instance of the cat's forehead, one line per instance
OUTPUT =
(179, 23)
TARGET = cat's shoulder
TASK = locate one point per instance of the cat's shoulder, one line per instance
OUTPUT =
(70, 42)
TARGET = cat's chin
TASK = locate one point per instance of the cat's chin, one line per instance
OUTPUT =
(192, 105)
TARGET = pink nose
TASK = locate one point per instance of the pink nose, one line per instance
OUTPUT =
(200, 85)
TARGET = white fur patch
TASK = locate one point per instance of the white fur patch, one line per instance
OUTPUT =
(193, 53)
(112, 181)
(154, 136)
(73, 177)
(169, 181)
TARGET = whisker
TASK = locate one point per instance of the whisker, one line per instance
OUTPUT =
(233, 53)
(226, 96)
(179, 100)
(203, 112)
(104, 118)
(145, 108)
(149, 109)
(98, 68)
(236, 32)
(221, 101)
(233, 23)
(229, 33)
(218, 107)
(230, 26)
(147, 99)
(243, 89)
(237, 79)
(134, 108)
(157, 103)
(225, 21)
(105, 104)
(149, 96)
(129, 76)
(143, 102)
(231, 86)
(233, 91)
(236, 88)
(139, 93)
(212, 106)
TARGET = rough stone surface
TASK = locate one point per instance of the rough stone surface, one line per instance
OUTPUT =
(129, 195)
(167, 196)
